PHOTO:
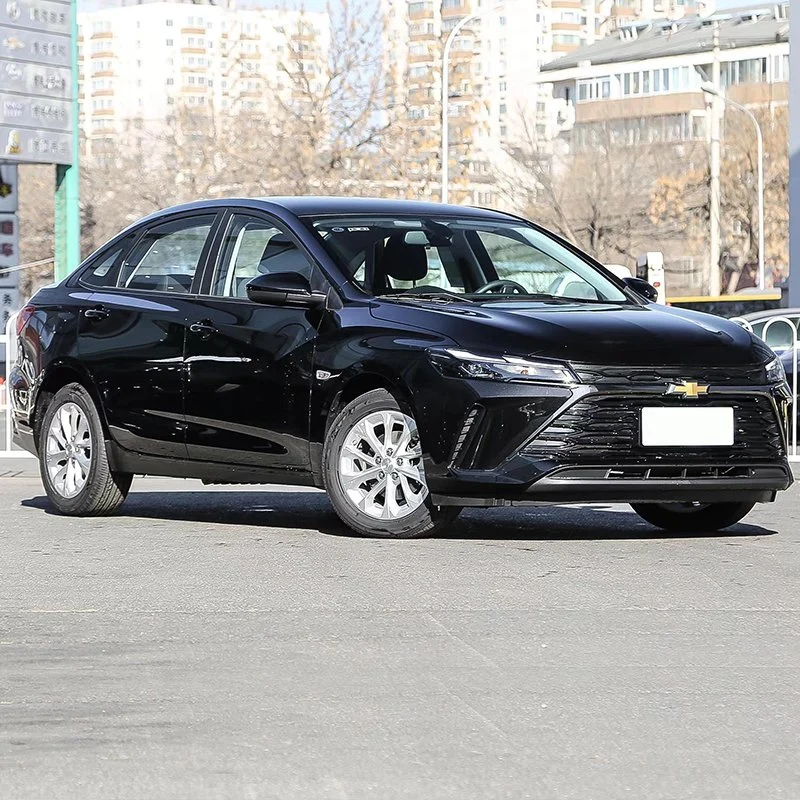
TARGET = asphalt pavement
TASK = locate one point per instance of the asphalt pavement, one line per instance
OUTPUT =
(214, 642)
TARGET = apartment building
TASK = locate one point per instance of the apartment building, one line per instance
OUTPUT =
(139, 62)
(639, 91)
(644, 81)
(496, 98)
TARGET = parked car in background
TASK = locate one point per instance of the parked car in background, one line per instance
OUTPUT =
(412, 359)
(780, 336)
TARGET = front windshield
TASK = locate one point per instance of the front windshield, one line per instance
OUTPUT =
(478, 260)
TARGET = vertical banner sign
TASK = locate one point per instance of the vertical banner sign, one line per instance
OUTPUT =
(9, 244)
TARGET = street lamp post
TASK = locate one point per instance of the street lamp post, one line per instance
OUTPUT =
(446, 94)
(710, 88)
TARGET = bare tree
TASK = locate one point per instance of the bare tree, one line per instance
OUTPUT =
(595, 194)
(680, 202)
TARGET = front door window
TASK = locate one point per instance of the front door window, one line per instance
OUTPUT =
(254, 246)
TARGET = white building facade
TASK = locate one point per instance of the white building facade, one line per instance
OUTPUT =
(138, 63)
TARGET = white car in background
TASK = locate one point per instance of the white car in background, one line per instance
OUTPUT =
(780, 336)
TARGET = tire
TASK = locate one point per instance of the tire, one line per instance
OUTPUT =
(390, 503)
(684, 518)
(72, 457)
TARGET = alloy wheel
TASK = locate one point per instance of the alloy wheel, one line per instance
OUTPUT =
(68, 454)
(380, 466)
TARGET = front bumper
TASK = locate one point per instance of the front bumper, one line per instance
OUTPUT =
(588, 448)
(708, 484)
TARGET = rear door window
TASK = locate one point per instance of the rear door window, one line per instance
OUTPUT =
(167, 256)
(103, 272)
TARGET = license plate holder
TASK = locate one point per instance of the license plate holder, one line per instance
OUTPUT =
(687, 427)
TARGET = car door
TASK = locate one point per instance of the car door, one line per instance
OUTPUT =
(249, 366)
(131, 335)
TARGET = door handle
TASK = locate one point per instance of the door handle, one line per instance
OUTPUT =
(98, 313)
(203, 329)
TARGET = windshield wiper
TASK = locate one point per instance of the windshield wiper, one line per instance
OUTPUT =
(441, 297)
(551, 298)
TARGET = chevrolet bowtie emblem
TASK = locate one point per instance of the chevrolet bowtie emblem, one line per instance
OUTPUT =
(688, 389)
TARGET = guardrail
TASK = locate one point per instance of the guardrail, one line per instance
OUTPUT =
(7, 450)
(794, 345)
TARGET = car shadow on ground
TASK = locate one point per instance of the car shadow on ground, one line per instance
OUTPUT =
(311, 510)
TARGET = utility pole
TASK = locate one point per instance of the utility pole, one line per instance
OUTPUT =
(794, 166)
(716, 113)
(67, 243)
(445, 148)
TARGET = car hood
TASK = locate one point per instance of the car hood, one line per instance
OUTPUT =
(613, 334)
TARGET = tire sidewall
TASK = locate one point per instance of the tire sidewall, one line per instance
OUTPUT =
(420, 522)
(72, 393)
(708, 519)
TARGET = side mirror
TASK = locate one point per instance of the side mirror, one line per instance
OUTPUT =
(284, 289)
(642, 288)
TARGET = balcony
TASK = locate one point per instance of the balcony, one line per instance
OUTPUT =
(567, 27)
(460, 10)
(193, 31)
(424, 12)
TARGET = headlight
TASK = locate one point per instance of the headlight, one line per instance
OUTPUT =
(463, 364)
(775, 371)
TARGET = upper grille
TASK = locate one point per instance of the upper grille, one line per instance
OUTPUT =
(606, 430)
(657, 376)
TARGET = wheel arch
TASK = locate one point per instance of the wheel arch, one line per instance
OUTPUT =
(359, 384)
(55, 377)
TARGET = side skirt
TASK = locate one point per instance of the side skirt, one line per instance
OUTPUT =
(207, 471)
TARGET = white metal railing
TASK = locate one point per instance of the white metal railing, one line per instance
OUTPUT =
(794, 345)
(8, 339)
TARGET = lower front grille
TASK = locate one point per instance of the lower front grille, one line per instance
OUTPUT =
(605, 429)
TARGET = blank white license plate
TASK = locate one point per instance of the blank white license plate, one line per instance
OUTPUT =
(687, 427)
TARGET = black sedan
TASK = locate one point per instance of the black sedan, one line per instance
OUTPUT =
(412, 359)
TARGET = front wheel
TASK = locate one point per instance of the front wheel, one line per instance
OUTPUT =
(374, 475)
(692, 517)
(72, 457)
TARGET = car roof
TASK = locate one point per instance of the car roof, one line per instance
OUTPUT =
(314, 206)
(754, 316)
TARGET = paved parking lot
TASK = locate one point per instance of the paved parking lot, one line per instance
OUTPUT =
(221, 643)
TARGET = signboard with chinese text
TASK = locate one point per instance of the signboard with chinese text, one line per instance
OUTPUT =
(35, 79)
(9, 251)
(9, 304)
(36, 122)
(8, 188)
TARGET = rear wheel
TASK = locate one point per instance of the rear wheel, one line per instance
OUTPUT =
(692, 517)
(72, 457)
(374, 473)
